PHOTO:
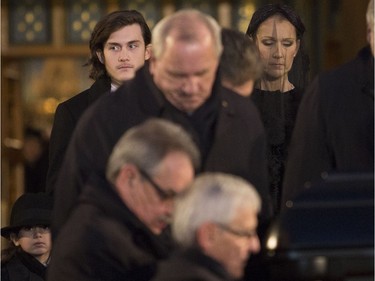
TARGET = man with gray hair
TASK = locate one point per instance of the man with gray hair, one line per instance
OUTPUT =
(117, 231)
(215, 224)
(179, 84)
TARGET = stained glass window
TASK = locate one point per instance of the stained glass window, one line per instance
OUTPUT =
(151, 10)
(29, 22)
(82, 16)
(242, 11)
(207, 6)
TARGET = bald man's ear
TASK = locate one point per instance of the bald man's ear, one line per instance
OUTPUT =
(206, 236)
(100, 56)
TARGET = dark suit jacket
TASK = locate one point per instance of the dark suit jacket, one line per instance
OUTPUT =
(238, 146)
(334, 131)
(104, 240)
(191, 265)
(66, 118)
(22, 266)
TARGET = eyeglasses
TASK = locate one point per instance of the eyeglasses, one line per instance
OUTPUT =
(243, 233)
(164, 195)
(32, 230)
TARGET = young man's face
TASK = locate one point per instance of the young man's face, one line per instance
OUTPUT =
(124, 52)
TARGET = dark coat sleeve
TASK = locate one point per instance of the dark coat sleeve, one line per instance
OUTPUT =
(240, 147)
(97, 131)
(309, 153)
(84, 155)
(334, 131)
(62, 130)
(15, 269)
(66, 118)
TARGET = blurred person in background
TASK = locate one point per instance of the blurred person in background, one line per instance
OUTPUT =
(334, 130)
(240, 64)
(35, 156)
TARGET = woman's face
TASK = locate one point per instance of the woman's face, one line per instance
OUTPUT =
(277, 42)
(35, 241)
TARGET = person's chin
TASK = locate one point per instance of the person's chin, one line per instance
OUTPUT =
(158, 229)
(192, 106)
(38, 252)
(127, 75)
(238, 272)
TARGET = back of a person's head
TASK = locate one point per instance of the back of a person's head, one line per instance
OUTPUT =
(213, 197)
(108, 25)
(186, 25)
(240, 61)
(147, 144)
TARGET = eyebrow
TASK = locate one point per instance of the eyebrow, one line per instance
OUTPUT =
(180, 74)
(163, 194)
(127, 43)
(273, 38)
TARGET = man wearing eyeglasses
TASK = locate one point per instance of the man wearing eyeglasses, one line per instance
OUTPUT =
(215, 224)
(118, 232)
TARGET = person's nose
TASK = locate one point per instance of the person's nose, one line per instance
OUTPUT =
(37, 231)
(278, 51)
(191, 85)
(254, 244)
(124, 55)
